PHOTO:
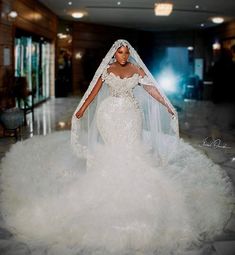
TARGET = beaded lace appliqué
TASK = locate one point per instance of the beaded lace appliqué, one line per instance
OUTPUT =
(120, 87)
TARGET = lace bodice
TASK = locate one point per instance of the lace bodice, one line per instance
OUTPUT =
(120, 87)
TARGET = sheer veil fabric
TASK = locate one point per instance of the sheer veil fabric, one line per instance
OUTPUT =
(160, 129)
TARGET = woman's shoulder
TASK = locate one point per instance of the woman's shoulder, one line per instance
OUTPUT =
(110, 67)
(138, 70)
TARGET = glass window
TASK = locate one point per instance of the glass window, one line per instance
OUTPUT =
(32, 60)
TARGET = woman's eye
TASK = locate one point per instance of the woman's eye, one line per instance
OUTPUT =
(121, 52)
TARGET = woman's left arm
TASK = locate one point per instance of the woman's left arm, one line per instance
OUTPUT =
(153, 91)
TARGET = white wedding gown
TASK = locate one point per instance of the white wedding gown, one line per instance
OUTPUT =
(126, 202)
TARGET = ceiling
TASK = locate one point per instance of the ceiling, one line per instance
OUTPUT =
(139, 14)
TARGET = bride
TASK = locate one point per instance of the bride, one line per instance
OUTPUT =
(127, 185)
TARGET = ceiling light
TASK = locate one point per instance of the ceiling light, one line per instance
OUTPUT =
(163, 9)
(78, 55)
(13, 14)
(216, 46)
(70, 3)
(61, 124)
(202, 25)
(190, 48)
(197, 6)
(62, 36)
(118, 3)
(217, 20)
(77, 15)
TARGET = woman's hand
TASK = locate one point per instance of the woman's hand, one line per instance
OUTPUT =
(170, 111)
(79, 113)
(89, 99)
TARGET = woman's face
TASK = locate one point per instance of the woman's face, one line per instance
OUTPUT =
(122, 55)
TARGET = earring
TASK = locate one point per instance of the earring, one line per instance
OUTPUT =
(113, 59)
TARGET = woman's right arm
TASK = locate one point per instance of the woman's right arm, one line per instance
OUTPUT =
(90, 98)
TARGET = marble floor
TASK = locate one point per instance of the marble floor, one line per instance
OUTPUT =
(206, 126)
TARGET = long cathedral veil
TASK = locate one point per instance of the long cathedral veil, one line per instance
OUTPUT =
(159, 130)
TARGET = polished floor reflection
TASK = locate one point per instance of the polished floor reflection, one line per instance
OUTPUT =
(208, 127)
(51, 116)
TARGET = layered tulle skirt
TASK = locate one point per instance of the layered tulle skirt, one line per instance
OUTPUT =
(122, 200)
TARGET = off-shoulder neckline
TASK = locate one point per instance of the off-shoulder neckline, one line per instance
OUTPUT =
(118, 76)
(122, 78)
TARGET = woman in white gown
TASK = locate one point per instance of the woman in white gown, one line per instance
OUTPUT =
(127, 185)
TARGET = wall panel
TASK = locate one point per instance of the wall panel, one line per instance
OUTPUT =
(32, 17)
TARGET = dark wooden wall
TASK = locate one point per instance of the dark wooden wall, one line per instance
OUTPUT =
(225, 31)
(32, 17)
(6, 42)
(219, 33)
(35, 18)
